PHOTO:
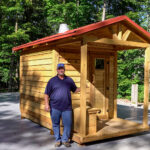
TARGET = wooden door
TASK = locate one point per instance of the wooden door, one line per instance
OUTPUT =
(99, 80)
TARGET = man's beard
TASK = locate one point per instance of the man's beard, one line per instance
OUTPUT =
(61, 74)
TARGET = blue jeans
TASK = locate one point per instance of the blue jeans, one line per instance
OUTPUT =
(67, 123)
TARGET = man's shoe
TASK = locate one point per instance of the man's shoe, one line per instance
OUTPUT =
(67, 144)
(58, 144)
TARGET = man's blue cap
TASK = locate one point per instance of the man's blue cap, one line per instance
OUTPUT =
(60, 65)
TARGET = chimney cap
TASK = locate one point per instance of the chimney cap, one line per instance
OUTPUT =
(63, 27)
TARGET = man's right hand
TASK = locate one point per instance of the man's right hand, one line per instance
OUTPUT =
(47, 108)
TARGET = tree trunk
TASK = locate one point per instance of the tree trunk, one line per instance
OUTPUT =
(77, 12)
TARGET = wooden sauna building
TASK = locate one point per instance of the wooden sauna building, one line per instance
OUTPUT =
(90, 57)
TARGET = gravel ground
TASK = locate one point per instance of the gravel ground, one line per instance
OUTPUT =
(16, 134)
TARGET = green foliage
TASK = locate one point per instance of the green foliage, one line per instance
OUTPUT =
(75, 13)
(130, 71)
(22, 21)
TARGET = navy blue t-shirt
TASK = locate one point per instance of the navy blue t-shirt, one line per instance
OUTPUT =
(59, 92)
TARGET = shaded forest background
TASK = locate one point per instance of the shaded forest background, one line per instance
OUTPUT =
(22, 21)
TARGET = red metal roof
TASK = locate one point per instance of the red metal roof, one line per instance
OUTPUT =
(83, 29)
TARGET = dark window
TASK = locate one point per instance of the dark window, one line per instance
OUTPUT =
(99, 63)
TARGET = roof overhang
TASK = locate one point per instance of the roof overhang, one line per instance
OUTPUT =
(85, 29)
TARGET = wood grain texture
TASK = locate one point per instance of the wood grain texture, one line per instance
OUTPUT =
(38, 66)
(83, 80)
(111, 87)
(146, 86)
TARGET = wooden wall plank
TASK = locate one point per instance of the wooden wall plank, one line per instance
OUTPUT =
(37, 62)
(44, 67)
(69, 55)
(46, 55)
(35, 51)
(30, 106)
(36, 73)
(33, 83)
(36, 119)
(36, 78)
(31, 98)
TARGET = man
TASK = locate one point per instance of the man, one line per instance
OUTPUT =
(58, 90)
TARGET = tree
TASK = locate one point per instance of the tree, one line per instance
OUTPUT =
(21, 21)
